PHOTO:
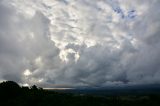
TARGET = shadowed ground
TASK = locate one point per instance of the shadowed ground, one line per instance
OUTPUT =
(11, 94)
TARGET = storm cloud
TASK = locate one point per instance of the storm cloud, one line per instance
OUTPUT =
(80, 43)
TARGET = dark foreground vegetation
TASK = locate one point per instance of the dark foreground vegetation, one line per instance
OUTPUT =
(11, 94)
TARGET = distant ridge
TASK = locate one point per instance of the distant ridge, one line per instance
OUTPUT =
(114, 90)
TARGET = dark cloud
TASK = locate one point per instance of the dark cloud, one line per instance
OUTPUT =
(22, 41)
(77, 43)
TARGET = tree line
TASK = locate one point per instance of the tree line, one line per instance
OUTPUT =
(11, 94)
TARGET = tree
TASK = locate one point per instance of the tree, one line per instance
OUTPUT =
(9, 89)
(34, 87)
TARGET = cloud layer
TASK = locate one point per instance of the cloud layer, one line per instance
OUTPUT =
(80, 43)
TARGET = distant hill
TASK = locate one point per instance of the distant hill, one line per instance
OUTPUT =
(11, 94)
(151, 89)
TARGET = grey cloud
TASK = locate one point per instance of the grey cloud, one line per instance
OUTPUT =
(22, 41)
(45, 39)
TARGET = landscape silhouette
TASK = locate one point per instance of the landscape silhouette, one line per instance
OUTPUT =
(11, 94)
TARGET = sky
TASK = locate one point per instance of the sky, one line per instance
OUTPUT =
(80, 43)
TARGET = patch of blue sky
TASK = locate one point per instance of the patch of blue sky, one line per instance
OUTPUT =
(131, 14)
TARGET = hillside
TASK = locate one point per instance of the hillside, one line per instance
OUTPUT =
(11, 94)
